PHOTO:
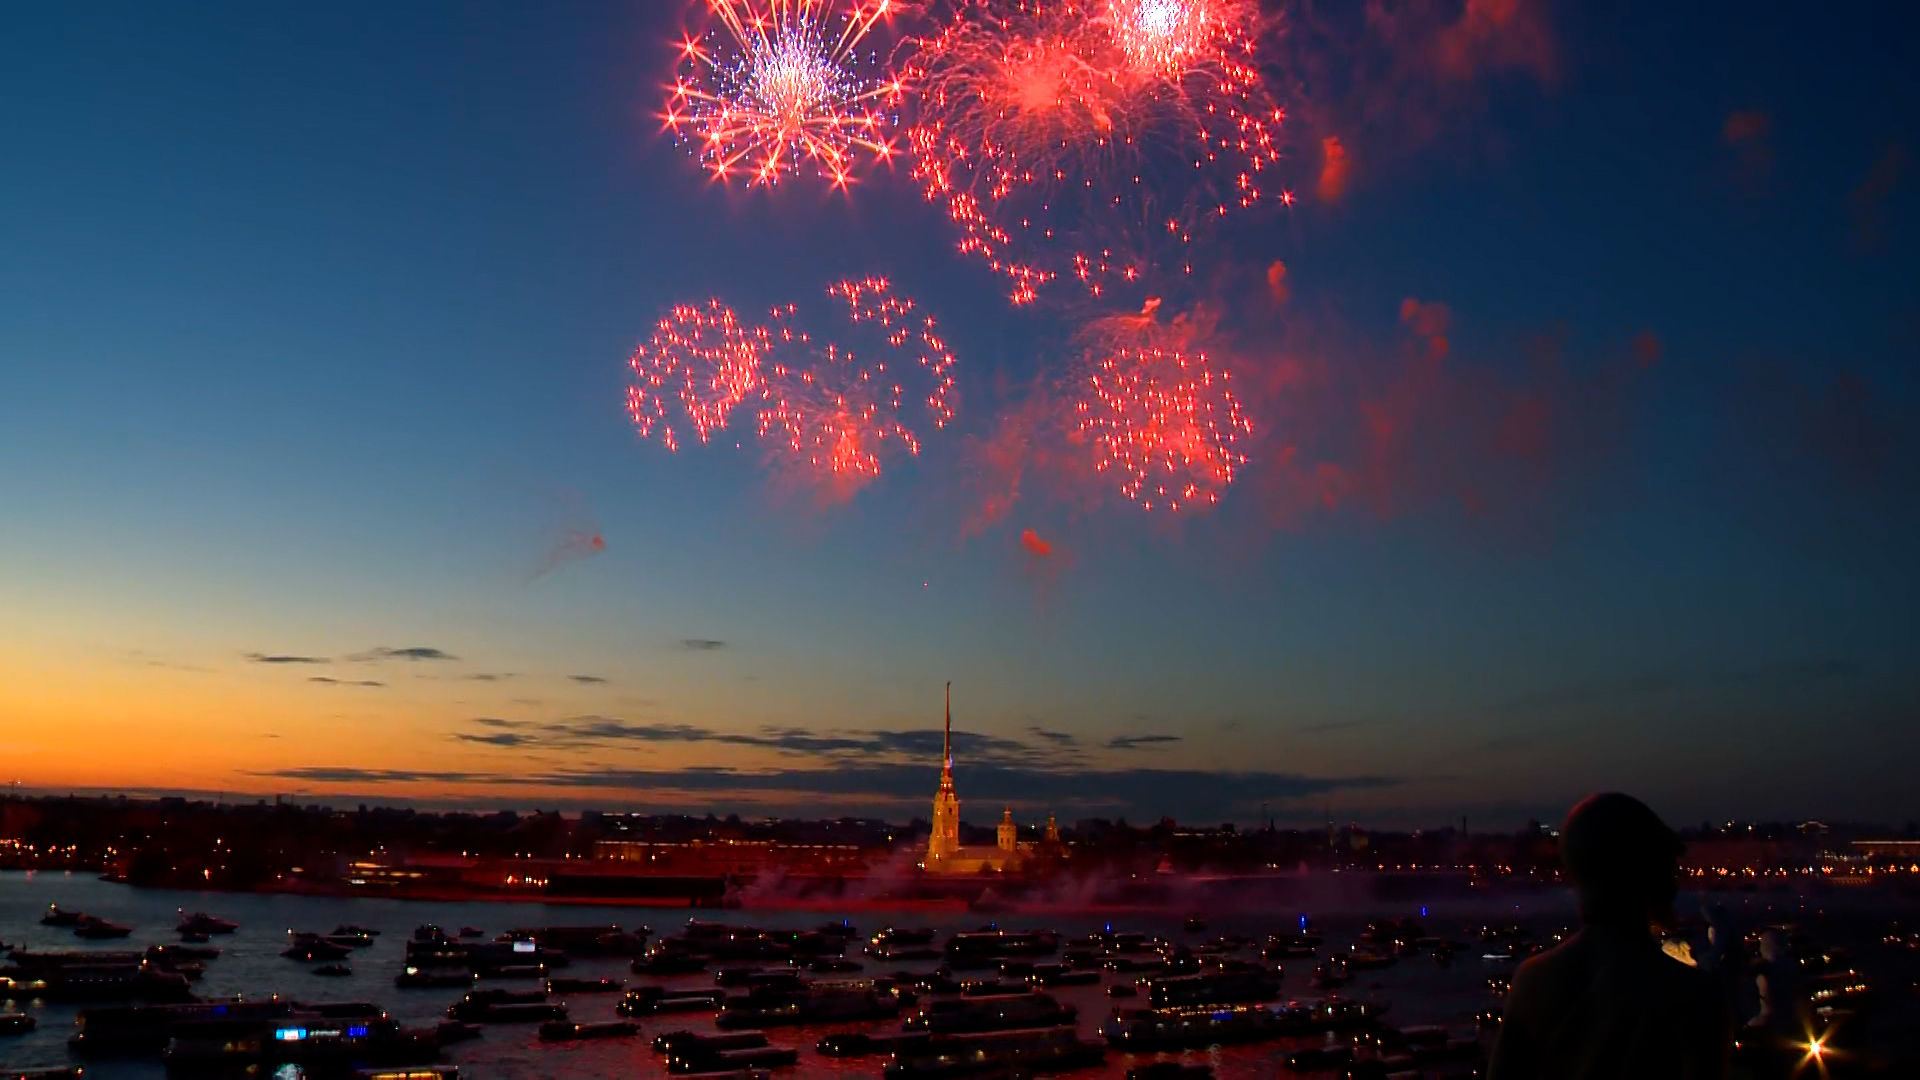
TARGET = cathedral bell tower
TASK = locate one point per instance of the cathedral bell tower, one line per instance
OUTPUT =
(945, 840)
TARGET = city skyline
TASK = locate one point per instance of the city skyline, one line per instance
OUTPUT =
(1579, 369)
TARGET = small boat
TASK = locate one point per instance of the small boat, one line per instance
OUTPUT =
(410, 1072)
(456, 1031)
(202, 923)
(312, 948)
(585, 986)
(336, 971)
(860, 1044)
(968, 1016)
(195, 937)
(692, 1042)
(16, 1023)
(433, 978)
(58, 916)
(68, 1072)
(835, 966)
(650, 1000)
(350, 938)
(356, 930)
(765, 1057)
(96, 929)
(1019, 1053)
(568, 1031)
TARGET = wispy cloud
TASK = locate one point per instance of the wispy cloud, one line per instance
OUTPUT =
(285, 658)
(410, 653)
(1189, 794)
(588, 680)
(487, 676)
(1135, 742)
(922, 744)
(696, 644)
(1058, 738)
(344, 682)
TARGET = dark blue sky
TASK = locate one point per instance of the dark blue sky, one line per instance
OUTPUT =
(315, 333)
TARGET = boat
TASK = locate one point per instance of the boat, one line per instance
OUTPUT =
(1233, 989)
(985, 948)
(433, 978)
(1061, 975)
(309, 1042)
(16, 1023)
(651, 1000)
(170, 953)
(1018, 1053)
(568, 1031)
(145, 1029)
(505, 1006)
(97, 929)
(690, 1042)
(583, 940)
(356, 930)
(859, 1044)
(58, 1072)
(759, 978)
(765, 1057)
(585, 986)
(58, 916)
(456, 1031)
(821, 1004)
(989, 1014)
(333, 971)
(894, 935)
(352, 939)
(202, 923)
(312, 948)
(835, 966)
(409, 1072)
(669, 963)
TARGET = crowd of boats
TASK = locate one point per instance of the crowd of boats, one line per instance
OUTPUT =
(974, 1002)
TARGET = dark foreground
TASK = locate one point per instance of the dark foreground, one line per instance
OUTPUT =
(1412, 989)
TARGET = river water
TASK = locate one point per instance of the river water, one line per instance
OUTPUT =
(1418, 990)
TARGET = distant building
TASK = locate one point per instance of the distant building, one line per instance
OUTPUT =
(945, 853)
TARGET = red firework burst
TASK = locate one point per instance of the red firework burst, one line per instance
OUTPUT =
(835, 407)
(1165, 423)
(700, 364)
(1072, 141)
(827, 412)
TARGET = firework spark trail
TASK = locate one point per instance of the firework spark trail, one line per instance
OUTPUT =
(700, 363)
(1166, 423)
(777, 89)
(1071, 142)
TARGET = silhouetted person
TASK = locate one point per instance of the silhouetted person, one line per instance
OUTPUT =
(1608, 1004)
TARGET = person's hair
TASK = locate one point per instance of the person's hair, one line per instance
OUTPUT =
(1620, 857)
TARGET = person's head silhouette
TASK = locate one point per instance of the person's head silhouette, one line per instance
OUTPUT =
(1622, 859)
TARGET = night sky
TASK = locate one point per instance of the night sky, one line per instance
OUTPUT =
(1580, 372)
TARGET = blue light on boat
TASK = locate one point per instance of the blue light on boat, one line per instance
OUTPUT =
(357, 1031)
